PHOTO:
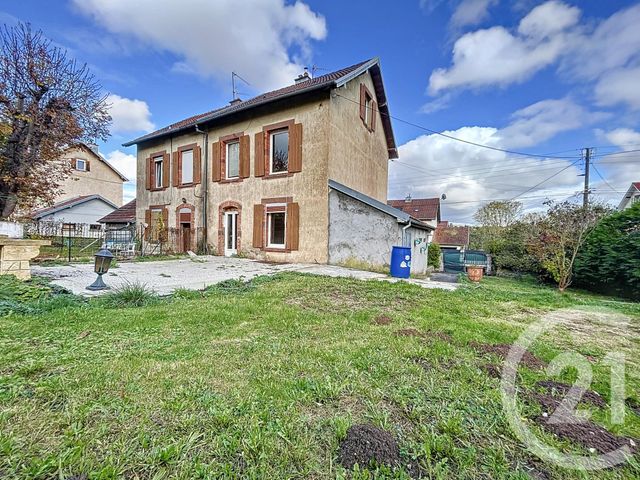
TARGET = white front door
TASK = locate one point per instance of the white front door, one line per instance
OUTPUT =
(230, 233)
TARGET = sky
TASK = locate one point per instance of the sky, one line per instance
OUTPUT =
(543, 78)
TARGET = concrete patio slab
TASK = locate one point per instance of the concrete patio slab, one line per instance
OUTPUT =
(165, 276)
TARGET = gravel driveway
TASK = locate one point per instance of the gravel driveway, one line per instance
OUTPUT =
(195, 274)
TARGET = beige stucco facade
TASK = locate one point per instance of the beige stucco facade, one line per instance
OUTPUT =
(335, 145)
(100, 179)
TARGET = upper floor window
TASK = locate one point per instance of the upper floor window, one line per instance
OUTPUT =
(279, 142)
(158, 170)
(186, 176)
(233, 159)
(81, 165)
(368, 108)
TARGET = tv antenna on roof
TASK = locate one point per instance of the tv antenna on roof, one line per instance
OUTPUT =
(234, 75)
(315, 68)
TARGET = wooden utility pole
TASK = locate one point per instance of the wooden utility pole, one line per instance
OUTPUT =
(587, 160)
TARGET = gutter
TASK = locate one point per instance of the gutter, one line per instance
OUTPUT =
(205, 189)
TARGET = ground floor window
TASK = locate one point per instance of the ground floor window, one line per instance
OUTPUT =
(276, 223)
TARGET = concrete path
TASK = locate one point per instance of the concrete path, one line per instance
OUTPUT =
(195, 274)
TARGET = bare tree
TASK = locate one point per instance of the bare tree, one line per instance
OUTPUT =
(557, 237)
(47, 103)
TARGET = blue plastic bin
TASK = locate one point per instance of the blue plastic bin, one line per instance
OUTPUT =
(400, 262)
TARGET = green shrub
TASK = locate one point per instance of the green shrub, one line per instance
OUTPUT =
(33, 297)
(230, 286)
(433, 255)
(609, 260)
(131, 294)
(12, 289)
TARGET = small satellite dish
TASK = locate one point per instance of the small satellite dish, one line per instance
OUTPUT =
(444, 196)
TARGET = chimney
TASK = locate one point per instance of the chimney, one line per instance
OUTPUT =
(303, 77)
(235, 101)
(407, 199)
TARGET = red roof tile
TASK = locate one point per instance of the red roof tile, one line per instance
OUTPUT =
(636, 184)
(420, 208)
(448, 235)
(124, 214)
(316, 83)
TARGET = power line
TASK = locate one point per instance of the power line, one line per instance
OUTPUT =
(546, 179)
(450, 137)
(603, 179)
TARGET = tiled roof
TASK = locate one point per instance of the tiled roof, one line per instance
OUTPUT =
(124, 214)
(69, 203)
(421, 208)
(323, 81)
(449, 235)
(636, 184)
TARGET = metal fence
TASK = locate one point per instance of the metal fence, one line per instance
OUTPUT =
(79, 241)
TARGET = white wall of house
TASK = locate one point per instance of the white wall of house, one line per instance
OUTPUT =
(88, 212)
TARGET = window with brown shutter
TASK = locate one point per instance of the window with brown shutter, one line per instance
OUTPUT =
(231, 160)
(165, 170)
(156, 218)
(157, 171)
(147, 175)
(368, 107)
(244, 157)
(87, 165)
(215, 162)
(197, 165)
(279, 150)
(258, 226)
(184, 174)
(175, 161)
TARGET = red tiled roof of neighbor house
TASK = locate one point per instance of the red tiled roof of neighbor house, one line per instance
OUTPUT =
(124, 214)
(450, 235)
(420, 208)
(327, 81)
(637, 185)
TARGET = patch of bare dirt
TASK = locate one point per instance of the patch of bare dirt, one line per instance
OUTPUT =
(366, 444)
(382, 320)
(502, 350)
(634, 405)
(588, 434)
(494, 371)
(425, 364)
(410, 332)
(562, 389)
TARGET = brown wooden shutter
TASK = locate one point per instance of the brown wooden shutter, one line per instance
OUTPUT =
(148, 173)
(87, 165)
(374, 113)
(147, 220)
(215, 159)
(73, 163)
(363, 97)
(165, 220)
(293, 226)
(165, 170)
(258, 226)
(259, 154)
(174, 170)
(295, 148)
(244, 157)
(197, 169)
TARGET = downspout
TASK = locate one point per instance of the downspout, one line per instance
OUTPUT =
(205, 190)
(404, 232)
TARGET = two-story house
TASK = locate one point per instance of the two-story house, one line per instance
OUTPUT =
(298, 174)
(92, 189)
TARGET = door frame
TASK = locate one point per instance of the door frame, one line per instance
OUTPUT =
(233, 214)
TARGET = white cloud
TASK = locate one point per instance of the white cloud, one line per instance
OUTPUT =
(129, 115)
(123, 162)
(619, 86)
(471, 12)
(622, 137)
(495, 56)
(545, 119)
(265, 41)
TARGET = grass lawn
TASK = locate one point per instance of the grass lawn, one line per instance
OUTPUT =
(264, 380)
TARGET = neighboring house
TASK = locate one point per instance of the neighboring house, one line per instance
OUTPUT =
(450, 237)
(632, 196)
(254, 177)
(426, 210)
(75, 217)
(121, 218)
(91, 174)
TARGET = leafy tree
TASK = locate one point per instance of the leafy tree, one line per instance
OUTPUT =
(47, 103)
(433, 255)
(558, 236)
(610, 259)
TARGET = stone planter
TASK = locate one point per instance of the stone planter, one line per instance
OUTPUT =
(475, 273)
(15, 255)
